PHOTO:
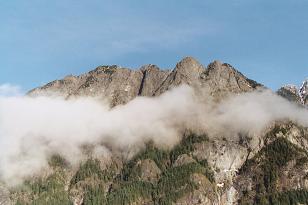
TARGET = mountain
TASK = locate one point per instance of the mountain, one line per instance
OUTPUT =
(120, 85)
(271, 168)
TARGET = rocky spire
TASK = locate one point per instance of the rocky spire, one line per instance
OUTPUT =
(187, 71)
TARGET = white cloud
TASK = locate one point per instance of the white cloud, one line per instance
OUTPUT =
(32, 129)
(10, 90)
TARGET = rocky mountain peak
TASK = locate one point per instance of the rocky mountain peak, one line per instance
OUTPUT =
(187, 71)
(120, 85)
(189, 66)
(222, 79)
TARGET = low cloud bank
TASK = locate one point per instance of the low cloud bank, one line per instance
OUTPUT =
(33, 129)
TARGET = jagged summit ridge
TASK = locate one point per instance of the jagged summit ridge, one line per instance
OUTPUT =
(120, 85)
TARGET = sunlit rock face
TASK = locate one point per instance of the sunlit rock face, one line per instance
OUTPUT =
(119, 85)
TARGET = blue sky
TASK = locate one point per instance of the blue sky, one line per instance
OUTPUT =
(44, 40)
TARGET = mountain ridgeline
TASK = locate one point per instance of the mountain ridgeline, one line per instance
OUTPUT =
(120, 85)
(198, 170)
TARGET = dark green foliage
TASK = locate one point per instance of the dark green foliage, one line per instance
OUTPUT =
(19, 202)
(274, 155)
(292, 197)
(93, 178)
(47, 192)
(208, 171)
(126, 187)
(280, 152)
(94, 195)
(130, 192)
(57, 161)
(176, 181)
(170, 197)
(187, 145)
(52, 184)
(178, 176)
(301, 161)
(266, 166)
(160, 157)
(56, 198)
(90, 169)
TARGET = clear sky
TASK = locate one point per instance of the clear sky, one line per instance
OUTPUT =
(43, 40)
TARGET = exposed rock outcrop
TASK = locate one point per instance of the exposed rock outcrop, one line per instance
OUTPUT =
(148, 170)
(183, 159)
(290, 92)
(295, 94)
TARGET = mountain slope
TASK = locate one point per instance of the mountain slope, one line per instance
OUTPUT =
(269, 168)
(197, 171)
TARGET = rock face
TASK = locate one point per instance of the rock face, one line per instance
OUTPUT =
(120, 85)
(148, 170)
(290, 92)
(183, 159)
(294, 94)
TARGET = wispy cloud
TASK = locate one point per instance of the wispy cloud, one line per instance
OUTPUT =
(10, 90)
